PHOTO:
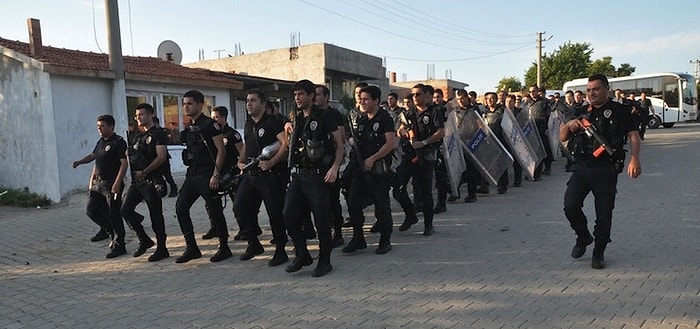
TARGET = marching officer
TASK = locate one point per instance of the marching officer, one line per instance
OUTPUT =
(425, 135)
(204, 156)
(370, 162)
(106, 183)
(316, 152)
(147, 159)
(539, 112)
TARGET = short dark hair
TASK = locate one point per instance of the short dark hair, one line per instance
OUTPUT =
(222, 110)
(439, 91)
(374, 92)
(490, 93)
(395, 95)
(147, 107)
(361, 85)
(196, 95)
(569, 92)
(258, 92)
(106, 118)
(462, 92)
(429, 89)
(306, 86)
(600, 77)
(326, 91)
(422, 87)
(472, 93)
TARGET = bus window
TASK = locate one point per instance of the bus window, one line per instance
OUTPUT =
(671, 91)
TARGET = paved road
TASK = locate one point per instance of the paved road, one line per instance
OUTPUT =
(502, 262)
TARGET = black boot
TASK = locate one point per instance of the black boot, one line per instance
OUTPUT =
(582, 241)
(118, 249)
(145, 242)
(224, 251)
(384, 245)
(101, 235)
(324, 264)
(302, 258)
(598, 261)
(161, 251)
(191, 251)
(254, 249)
(357, 242)
(280, 257)
(210, 234)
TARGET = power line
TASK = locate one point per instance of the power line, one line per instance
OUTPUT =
(457, 59)
(94, 27)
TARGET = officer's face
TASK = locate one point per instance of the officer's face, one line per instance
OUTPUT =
(190, 107)
(367, 104)
(357, 94)
(303, 100)
(104, 129)
(221, 120)
(320, 100)
(437, 98)
(391, 100)
(490, 100)
(463, 101)
(510, 102)
(597, 93)
(253, 105)
(418, 97)
(143, 118)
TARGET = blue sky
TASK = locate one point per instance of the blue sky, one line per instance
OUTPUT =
(480, 42)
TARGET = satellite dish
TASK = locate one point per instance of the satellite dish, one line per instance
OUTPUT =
(169, 51)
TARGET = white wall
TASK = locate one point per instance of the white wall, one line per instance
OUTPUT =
(27, 151)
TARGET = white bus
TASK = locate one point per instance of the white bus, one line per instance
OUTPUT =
(673, 95)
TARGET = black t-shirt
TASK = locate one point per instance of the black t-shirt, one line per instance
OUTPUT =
(200, 135)
(539, 111)
(108, 153)
(612, 121)
(142, 150)
(231, 138)
(337, 116)
(371, 133)
(318, 128)
(261, 134)
(427, 123)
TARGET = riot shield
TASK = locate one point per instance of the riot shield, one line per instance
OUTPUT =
(520, 148)
(453, 153)
(531, 133)
(558, 116)
(483, 147)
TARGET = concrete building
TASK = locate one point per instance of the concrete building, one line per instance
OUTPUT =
(339, 68)
(50, 98)
(448, 86)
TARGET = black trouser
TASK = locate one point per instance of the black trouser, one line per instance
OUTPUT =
(502, 183)
(104, 208)
(602, 181)
(441, 180)
(643, 123)
(169, 176)
(546, 164)
(336, 210)
(422, 174)
(471, 176)
(197, 184)
(376, 187)
(308, 193)
(252, 191)
(136, 193)
(517, 173)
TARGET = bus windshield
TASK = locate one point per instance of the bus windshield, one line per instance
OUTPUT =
(690, 93)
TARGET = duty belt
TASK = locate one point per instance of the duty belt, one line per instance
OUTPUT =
(306, 171)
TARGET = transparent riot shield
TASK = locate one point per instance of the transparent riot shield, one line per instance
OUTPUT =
(531, 133)
(483, 147)
(520, 148)
(561, 113)
(453, 152)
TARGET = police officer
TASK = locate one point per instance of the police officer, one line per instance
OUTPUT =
(204, 156)
(595, 169)
(316, 152)
(370, 163)
(234, 145)
(539, 112)
(107, 183)
(493, 117)
(147, 159)
(471, 175)
(441, 180)
(424, 137)
(264, 179)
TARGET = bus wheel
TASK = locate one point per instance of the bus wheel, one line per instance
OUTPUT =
(668, 125)
(654, 122)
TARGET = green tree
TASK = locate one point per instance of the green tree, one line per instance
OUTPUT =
(571, 61)
(510, 84)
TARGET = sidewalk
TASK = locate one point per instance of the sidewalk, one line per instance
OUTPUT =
(502, 262)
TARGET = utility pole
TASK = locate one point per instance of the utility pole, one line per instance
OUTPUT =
(539, 57)
(116, 64)
(697, 68)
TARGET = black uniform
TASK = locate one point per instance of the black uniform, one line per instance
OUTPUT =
(539, 112)
(258, 186)
(470, 175)
(597, 174)
(441, 180)
(200, 157)
(335, 208)
(103, 207)
(369, 137)
(419, 164)
(142, 152)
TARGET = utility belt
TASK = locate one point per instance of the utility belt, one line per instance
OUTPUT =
(306, 171)
(200, 170)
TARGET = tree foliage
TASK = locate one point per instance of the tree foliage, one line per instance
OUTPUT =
(509, 84)
(571, 61)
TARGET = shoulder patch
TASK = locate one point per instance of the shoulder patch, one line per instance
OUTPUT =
(225, 141)
(375, 126)
(149, 139)
(313, 125)
(426, 119)
(108, 147)
(261, 132)
(607, 113)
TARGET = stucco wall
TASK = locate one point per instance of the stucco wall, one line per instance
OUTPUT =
(27, 158)
(77, 102)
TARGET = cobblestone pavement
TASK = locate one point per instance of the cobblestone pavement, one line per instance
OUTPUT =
(502, 262)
